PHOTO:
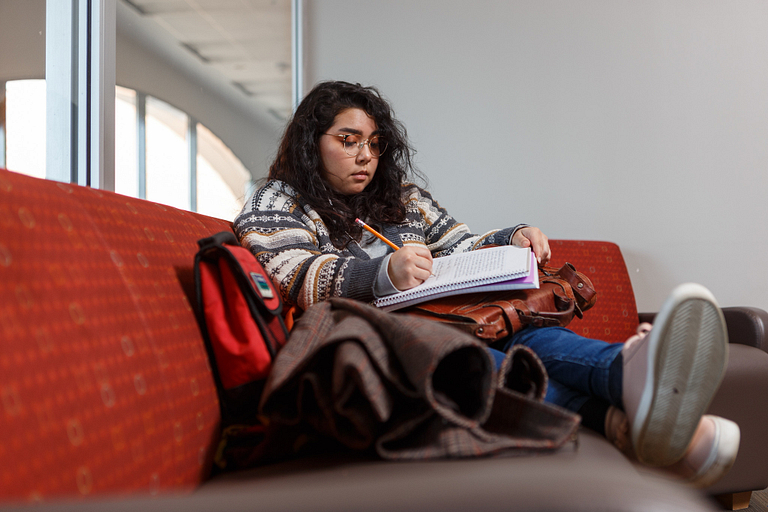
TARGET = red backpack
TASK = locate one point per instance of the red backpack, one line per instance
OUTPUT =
(240, 315)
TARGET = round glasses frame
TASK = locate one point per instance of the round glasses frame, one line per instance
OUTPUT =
(353, 148)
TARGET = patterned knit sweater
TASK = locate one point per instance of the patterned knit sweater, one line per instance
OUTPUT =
(291, 241)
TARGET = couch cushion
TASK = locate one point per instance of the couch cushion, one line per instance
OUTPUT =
(589, 476)
(104, 381)
(614, 316)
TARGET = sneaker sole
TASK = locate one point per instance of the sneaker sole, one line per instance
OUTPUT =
(688, 350)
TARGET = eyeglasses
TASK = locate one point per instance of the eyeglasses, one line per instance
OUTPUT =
(353, 145)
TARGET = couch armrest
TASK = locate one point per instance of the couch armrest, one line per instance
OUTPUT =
(743, 398)
(746, 326)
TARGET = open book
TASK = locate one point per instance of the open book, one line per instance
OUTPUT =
(498, 268)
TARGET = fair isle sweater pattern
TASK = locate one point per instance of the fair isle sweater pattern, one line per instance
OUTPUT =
(291, 241)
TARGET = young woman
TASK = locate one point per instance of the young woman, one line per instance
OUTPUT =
(344, 156)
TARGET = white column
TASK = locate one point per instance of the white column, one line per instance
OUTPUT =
(80, 92)
(297, 52)
(2, 124)
(61, 62)
(102, 93)
(192, 157)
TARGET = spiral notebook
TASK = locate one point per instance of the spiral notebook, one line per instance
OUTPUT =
(498, 268)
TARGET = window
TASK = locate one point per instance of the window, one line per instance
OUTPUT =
(165, 175)
(126, 148)
(25, 127)
(57, 115)
(152, 148)
(167, 165)
(222, 180)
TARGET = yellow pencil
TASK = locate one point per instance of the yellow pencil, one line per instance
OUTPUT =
(376, 233)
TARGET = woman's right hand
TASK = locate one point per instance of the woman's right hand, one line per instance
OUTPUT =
(410, 266)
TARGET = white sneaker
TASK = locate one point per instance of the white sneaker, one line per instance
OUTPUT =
(711, 454)
(707, 459)
(671, 373)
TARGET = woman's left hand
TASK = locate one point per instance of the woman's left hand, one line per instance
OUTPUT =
(532, 237)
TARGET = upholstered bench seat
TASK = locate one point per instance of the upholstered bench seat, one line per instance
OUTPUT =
(107, 399)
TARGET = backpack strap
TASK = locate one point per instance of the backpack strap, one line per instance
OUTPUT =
(218, 240)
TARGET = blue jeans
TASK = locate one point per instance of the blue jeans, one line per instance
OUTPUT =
(579, 368)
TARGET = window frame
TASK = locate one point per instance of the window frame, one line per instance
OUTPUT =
(80, 100)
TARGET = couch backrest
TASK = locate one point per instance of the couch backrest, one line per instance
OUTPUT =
(105, 386)
(614, 316)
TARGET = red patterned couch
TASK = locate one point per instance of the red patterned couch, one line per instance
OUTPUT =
(107, 399)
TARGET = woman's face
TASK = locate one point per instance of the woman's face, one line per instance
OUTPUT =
(348, 174)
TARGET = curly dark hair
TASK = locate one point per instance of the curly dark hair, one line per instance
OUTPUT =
(299, 164)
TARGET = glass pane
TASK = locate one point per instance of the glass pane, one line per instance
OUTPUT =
(22, 73)
(126, 153)
(167, 162)
(222, 180)
(25, 126)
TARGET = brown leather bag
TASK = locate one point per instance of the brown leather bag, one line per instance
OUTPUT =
(491, 316)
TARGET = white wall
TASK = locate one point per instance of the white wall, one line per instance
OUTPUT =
(644, 123)
(22, 39)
